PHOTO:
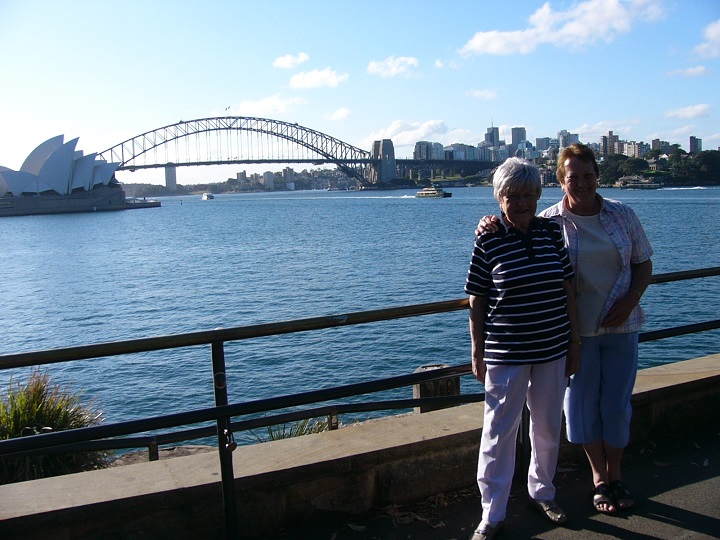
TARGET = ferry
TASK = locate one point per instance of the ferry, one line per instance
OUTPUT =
(640, 185)
(433, 193)
(207, 196)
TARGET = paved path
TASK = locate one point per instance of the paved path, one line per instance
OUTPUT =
(676, 482)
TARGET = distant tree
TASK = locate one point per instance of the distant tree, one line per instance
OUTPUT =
(707, 166)
(610, 169)
(634, 166)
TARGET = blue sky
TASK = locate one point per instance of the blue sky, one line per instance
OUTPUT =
(105, 71)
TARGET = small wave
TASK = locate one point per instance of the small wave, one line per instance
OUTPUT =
(682, 188)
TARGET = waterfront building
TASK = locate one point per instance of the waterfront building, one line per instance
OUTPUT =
(695, 145)
(428, 150)
(459, 151)
(268, 180)
(56, 167)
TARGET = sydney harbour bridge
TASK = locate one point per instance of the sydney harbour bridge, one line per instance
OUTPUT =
(226, 140)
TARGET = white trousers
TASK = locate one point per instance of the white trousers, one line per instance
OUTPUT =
(506, 390)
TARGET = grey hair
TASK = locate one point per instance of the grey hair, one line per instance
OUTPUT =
(514, 175)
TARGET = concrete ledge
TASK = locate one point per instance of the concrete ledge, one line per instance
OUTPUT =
(381, 462)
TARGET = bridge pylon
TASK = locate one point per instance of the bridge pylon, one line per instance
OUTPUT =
(385, 170)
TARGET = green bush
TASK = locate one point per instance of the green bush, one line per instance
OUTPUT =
(42, 407)
(294, 429)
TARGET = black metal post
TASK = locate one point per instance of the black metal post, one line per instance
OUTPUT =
(226, 444)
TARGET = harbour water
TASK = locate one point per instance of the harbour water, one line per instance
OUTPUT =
(239, 260)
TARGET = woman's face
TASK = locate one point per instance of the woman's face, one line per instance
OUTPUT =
(580, 183)
(519, 208)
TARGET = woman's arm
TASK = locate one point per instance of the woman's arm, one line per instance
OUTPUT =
(573, 355)
(619, 313)
(477, 335)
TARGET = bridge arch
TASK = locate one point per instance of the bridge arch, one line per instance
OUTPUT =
(238, 139)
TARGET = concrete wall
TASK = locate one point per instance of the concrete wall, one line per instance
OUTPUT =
(381, 462)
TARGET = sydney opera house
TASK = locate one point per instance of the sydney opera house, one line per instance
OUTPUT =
(57, 179)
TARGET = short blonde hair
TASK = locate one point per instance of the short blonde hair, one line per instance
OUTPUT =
(577, 150)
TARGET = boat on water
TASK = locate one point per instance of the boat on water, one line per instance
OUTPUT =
(640, 185)
(433, 193)
(207, 196)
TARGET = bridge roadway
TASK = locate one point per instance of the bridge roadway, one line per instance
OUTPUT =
(676, 481)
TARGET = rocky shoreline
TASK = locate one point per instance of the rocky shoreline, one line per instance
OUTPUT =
(131, 458)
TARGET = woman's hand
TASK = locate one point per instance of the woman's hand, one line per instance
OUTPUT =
(488, 224)
(621, 310)
(479, 368)
(572, 363)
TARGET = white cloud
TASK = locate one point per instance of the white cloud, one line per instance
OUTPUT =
(267, 106)
(406, 134)
(289, 61)
(584, 23)
(593, 132)
(391, 66)
(341, 114)
(710, 48)
(692, 111)
(439, 64)
(318, 78)
(689, 72)
(483, 94)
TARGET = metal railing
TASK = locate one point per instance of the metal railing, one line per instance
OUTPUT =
(98, 437)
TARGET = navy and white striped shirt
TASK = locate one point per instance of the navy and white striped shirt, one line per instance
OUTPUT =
(522, 275)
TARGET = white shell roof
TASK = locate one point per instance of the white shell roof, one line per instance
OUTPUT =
(57, 167)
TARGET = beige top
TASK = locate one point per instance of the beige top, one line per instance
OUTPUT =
(598, 268)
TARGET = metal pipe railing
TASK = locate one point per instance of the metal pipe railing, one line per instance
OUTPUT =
(222, 413)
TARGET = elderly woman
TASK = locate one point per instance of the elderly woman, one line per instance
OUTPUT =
(525, 342)
(611, 256)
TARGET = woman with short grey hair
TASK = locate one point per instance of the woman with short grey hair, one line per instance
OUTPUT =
(525, 343)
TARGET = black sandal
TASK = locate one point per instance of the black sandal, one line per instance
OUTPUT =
(623, 498)
(602, 495)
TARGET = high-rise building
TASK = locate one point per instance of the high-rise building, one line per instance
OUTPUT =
(422, 150)
(695, 145)
(565, 138)
(492, 137)
(518, 136)
(428, 150)
(460, 151)
(657, 144)
(609, 144)
(542, 143)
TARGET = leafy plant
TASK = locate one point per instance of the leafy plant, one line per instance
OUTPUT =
(294, 429)
(41, 407)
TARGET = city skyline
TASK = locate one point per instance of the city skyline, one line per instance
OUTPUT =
(644, 69)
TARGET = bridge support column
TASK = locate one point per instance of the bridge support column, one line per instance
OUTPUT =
(386, 170)
(171, 177)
